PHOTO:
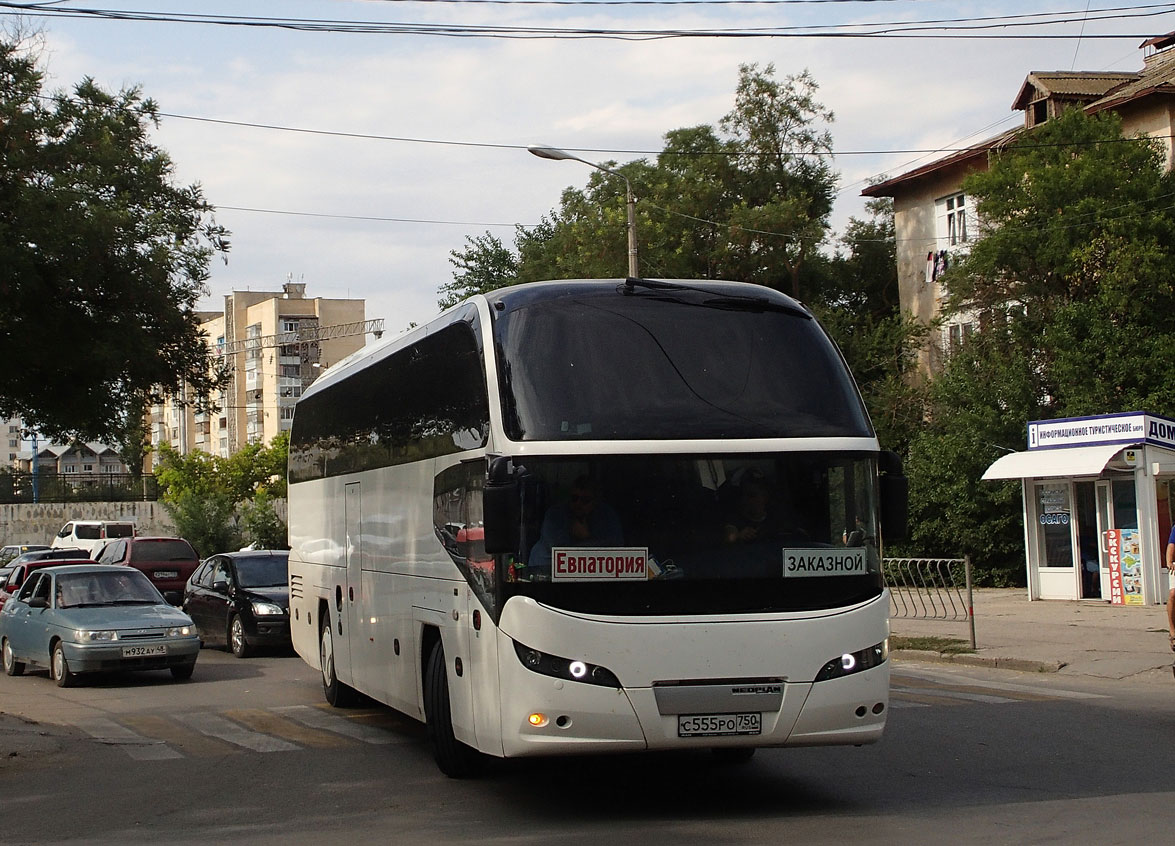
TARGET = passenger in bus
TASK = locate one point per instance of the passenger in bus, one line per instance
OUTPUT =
(757, 514)
(584, 520)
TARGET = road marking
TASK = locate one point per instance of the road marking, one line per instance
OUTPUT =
(318, 719)
(187, 740)
(1047, 693)
(136, 745)
(267, 722)
(216, 726)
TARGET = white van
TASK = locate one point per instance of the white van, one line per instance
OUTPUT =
(91, 534)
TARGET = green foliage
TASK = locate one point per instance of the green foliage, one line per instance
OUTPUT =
(751, 203)
(99, 246)
(262, 526)
(1073, 284)
(203, 494)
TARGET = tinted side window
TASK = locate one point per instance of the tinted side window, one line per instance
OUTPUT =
(30, 584)
(119, 530)
(424, 401)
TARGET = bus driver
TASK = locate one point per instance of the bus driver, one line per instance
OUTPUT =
(581, 521)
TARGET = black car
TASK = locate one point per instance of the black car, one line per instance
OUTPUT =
(241, 599)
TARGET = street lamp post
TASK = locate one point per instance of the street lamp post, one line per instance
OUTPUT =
(546, 152)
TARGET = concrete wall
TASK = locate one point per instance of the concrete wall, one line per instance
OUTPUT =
(24, 523)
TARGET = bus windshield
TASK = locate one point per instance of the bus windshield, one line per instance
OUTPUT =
(598, 364)
(665, 534)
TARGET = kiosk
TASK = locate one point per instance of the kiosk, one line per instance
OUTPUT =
(1098, 501)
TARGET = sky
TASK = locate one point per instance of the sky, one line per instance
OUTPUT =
(266, 118)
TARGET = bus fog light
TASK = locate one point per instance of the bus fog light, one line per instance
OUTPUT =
(537, 720)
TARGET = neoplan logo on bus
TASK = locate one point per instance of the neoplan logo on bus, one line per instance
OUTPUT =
(818, 562)
(603, 564)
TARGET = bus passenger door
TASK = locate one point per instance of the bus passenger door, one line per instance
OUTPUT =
(353, 588)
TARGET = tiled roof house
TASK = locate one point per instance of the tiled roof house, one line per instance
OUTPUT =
(935, 221)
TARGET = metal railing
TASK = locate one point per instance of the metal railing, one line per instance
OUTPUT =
(931, 589)
(77, 487)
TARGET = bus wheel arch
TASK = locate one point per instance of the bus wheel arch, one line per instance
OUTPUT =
(453, 757)
(337, 694)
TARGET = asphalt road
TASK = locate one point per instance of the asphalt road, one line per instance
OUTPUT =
(247, 752)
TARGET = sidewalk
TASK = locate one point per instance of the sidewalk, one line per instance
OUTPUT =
(1078, 638)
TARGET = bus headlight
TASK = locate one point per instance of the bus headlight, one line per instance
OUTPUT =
(565, 668)
(854, 662)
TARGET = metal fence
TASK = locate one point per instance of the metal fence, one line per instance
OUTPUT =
(931, 589)
(77, 487)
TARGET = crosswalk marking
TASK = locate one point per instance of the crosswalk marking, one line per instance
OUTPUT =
(181, 737)
(267, 722)
(217, 726)
(157, 737)
(920, 690)
(316, 718)
(136, 745)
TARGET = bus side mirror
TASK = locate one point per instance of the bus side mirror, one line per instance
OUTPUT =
(500, 511)
(895, 497)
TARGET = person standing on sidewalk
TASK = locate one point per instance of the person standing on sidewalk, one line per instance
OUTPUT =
(1171, 584)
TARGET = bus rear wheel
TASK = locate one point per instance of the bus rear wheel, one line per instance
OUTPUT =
(455, 759)
(337, 694)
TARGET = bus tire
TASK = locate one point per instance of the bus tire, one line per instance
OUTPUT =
(337, 694)
(454, 758)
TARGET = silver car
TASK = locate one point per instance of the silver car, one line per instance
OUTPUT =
(77, 619)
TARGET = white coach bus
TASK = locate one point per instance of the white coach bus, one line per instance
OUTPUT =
(598, 516)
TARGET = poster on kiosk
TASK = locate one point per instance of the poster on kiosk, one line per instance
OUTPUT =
(1125, 560)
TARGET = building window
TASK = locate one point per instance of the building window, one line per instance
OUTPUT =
(87, 468)
(71, 468)
(951, 220)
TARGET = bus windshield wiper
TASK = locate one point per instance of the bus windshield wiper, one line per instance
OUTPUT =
(737, 303)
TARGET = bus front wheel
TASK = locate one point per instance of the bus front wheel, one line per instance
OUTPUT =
(455, 759)
(337, 693)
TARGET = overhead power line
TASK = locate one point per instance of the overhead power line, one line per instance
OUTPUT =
(963, 27)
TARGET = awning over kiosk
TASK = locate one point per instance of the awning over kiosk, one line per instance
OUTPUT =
(1046, 463)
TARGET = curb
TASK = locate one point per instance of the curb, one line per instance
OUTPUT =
(970, 659)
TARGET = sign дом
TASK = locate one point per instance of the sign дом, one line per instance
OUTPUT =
(1130, 428)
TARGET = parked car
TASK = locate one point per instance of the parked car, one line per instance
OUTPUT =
(78, 619)
(90, 534)
(20, 572)
(241, 599)
(167, 562)
(10, 551)
(41, 555)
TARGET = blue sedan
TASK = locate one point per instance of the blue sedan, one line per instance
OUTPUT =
(95, 618)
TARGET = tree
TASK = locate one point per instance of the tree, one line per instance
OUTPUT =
(485, 264)
(103, 258)
(749, 202)
(1073, 287)
(203, 494)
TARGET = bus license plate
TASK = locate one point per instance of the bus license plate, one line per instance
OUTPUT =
(716, 725)
(144, 651)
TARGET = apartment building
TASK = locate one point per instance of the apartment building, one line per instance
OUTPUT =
(271, 344)
(935, 221)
